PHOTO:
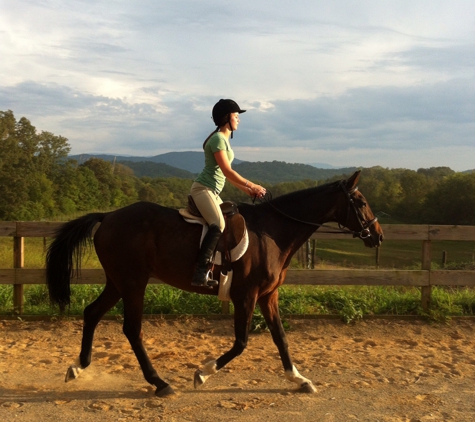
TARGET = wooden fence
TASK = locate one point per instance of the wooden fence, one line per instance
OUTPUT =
(424, 278)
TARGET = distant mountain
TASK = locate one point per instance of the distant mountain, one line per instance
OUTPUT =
(322, 166)
(82, 158)
(151, 169)
(191, 161)
(279, 171)
(188, 164)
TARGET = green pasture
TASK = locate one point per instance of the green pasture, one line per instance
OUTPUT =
(397, 254)
(346, 253)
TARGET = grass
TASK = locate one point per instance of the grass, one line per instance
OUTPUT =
(392, 254)
(350, 302)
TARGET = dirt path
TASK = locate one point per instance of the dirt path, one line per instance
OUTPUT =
(372, 371)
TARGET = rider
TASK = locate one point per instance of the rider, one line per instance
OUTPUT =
(210, 182)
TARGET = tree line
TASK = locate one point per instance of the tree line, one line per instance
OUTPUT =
(38, 181)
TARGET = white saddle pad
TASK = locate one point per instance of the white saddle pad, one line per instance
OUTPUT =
(235, 253)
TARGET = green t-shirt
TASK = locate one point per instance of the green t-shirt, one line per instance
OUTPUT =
(212, 176)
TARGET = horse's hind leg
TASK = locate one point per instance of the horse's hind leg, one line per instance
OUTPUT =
(243, 311)
(92, 315)
(133, 307)
(269, 305)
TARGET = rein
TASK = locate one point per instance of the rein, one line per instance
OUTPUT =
(365, 225)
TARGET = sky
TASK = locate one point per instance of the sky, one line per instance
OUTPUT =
(342, 82)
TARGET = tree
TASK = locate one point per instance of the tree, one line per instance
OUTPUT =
(414, 189)
(90, 195)
(103, 173)
(147, 193)
(452, 201)
(28, 162)
(52, 151)
(382, 188)
(436, 173)
(15, 165)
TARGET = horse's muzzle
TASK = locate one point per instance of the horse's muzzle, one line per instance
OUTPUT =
(371, 239)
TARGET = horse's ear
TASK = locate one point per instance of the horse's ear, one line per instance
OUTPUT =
(353, 180)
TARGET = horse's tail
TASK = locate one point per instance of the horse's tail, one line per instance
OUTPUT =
(64, 256)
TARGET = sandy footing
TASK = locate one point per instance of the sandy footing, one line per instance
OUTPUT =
(380, 370)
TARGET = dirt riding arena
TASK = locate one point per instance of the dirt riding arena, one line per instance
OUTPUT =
(378, 370)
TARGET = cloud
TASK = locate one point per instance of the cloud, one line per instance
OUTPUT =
(338, 79)
(405, 117)
(408, 118)
(450, 60)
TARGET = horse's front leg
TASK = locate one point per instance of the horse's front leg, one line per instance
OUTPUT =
(269, 305)
(243, 310)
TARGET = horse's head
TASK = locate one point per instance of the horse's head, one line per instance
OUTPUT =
(357, 215)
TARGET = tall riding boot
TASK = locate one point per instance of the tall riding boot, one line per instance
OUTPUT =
(210, 241)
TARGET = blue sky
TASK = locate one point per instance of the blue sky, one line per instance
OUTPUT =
(348, 83)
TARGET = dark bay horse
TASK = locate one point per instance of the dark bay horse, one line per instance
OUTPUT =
(146, 240)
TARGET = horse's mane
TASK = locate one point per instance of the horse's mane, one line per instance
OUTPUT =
(304, 193)
(293, 196)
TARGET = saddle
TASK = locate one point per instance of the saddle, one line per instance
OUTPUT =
(234, 241)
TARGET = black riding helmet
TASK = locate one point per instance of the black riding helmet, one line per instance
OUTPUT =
(221, 111)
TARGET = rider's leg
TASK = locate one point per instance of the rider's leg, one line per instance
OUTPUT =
(207, 203)
(208, 246)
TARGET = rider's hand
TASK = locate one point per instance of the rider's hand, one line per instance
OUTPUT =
(257, 191)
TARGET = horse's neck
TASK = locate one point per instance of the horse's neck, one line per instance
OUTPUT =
(284, 233)
(310, 206)
(297, 235)
(298, 217)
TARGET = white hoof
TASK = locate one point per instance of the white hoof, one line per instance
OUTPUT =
(304, 384)
(308, 388)
(72, 373)
(199, 379)
(201, 375)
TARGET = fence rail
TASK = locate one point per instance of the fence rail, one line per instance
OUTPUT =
(424, 278)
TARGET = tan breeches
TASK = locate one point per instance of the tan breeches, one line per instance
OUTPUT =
(208, 202)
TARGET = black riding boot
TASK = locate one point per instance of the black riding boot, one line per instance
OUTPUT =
(208, 246)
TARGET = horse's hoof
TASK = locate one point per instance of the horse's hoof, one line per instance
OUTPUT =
(72, 373)
(198, 380)
(164, 391)
(307, 388)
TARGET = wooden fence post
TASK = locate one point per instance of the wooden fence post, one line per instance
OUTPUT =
(426, 263)
(225, 307)
(308, 256)
(314, 252)
(444, 259)
(18, 262)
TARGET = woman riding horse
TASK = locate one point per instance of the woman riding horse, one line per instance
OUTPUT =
(145, 240)
(208, 185)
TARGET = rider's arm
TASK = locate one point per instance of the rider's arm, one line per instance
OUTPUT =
(235, 178)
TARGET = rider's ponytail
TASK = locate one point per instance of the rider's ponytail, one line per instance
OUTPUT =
(210, 135)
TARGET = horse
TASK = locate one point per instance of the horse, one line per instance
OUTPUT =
(145, 240)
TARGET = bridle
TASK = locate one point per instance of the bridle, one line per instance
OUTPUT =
(364, 233)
